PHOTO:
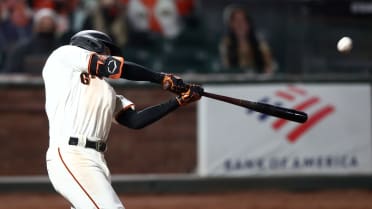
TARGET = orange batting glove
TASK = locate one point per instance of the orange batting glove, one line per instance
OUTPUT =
(193, 94)
(174, 84)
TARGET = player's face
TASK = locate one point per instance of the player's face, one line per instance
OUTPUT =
(239, 23)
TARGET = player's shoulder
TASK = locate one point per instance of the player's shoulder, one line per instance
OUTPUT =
(68, 49)
(66, 53)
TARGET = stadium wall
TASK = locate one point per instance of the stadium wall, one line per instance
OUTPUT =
(160, 158)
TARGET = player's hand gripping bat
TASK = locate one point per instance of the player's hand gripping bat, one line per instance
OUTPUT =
(281, 112)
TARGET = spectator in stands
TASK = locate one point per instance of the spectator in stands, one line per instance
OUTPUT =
(240, 48)
(159, 16)
(29, 55)
(165, 18)
(16, 22)
(108, 16)
(168, 32)
(71, 15)
(63, 8)
(2, 38)
(189, 11)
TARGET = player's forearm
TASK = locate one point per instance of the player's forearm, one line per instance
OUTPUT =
(140, 119)
(136, 72)
(115, 67)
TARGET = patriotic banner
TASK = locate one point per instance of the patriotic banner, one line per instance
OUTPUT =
(336, 139)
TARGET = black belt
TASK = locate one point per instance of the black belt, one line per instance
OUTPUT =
(96, 145)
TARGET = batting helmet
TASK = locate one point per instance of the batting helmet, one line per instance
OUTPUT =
(96, 41)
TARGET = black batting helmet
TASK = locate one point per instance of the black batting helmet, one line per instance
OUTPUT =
(94, 40)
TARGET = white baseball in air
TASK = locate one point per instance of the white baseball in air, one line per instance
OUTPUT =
(345, 44)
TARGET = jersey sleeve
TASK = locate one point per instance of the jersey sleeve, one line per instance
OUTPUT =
(62, 63)
(123, 104)
(73, 58)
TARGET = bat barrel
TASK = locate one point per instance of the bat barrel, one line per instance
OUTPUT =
(281, 112)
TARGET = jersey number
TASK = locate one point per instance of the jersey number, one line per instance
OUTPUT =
(85, 78)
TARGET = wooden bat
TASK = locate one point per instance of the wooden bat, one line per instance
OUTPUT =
(281, 112)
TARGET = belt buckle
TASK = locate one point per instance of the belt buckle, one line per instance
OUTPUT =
(101, 146)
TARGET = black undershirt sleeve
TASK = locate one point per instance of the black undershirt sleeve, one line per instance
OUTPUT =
(135, 72)
(140, 119)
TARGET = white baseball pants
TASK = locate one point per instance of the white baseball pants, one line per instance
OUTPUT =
(81, 176)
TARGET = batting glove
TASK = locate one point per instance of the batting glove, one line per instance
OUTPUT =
(174, 84)
(193, 94)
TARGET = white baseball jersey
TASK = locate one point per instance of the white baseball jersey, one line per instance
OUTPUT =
(81, 106)
(76, 103)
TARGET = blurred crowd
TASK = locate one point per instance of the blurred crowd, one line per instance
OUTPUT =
(165, 35)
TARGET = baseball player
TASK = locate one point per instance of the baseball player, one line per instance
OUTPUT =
(81, 105)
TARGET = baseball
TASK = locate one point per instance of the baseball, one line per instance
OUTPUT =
(344, 44)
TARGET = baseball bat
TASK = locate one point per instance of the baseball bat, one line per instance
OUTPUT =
(281, 112)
